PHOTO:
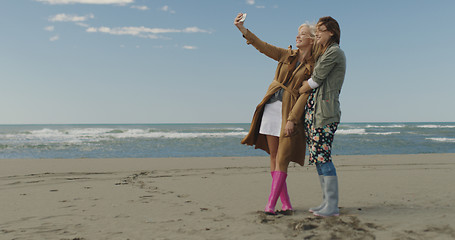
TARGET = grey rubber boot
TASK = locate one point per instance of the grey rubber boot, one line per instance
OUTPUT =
(314, 209)
(331, 194)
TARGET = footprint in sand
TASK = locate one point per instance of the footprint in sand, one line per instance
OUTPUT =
(183, 195)
(430, 232)
(344, 227)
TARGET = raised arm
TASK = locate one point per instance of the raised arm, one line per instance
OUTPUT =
(239, 24)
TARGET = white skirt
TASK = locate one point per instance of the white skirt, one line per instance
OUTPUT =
(271, 119)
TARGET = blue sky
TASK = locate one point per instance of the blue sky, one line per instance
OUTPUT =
(152, 61)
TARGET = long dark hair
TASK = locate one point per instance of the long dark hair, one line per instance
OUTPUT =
(332, 26)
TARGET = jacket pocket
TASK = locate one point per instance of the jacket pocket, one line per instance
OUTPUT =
(330, 107)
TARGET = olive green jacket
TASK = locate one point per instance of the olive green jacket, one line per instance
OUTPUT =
(328, 72)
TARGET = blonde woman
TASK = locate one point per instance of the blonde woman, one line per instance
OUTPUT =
(277, 125)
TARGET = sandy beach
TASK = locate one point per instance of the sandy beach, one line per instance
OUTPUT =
(381, 197)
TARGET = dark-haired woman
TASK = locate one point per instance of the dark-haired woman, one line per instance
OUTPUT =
(322, 112)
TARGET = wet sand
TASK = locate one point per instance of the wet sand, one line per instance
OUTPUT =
(381, 197)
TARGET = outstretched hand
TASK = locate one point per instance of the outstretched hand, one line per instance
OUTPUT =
(239, 24)
(237, 21)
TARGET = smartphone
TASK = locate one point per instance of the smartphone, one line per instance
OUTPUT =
(243, 17)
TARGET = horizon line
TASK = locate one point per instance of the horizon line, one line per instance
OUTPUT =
(197, 123)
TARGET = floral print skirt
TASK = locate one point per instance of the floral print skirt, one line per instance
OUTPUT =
(319, 140)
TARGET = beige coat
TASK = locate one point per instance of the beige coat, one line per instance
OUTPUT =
(290, 148)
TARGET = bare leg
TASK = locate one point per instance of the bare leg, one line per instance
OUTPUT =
(273, 141)
(281, 165)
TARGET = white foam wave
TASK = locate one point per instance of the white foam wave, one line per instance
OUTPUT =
(384, 133)
(362, 131)
(99, 134)
(49, 135)
(223, 129)
(386, 126)
(176, 135)
(436, 126)
(139, 133)
(236, 129)
(450, 140)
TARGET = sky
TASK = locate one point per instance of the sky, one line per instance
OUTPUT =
(180, 61)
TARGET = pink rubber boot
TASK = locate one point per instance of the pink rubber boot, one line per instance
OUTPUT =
(285, 201)
(284, 196)
(279, 178)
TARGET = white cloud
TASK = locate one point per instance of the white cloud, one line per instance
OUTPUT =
(166, 8)
(119, 2)
(91, 29)
(54, 38)
(131, 30)
(82, 24)
(143, 8)
(189, 47)
(62, 17)
(253, 2)
(144, 31)
(195, 30)
(49, 28)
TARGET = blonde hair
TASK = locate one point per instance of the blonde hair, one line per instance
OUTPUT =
(316, 50)
(312, 28)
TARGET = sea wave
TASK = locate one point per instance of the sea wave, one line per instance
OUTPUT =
(436, 126)
(99, 134)
(222, 129)
(362, 131)
(384, 133)
(359, 131)
(386, 126)
(206, 140)
(450, 140)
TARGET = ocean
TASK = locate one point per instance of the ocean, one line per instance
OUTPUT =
(208, 140)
